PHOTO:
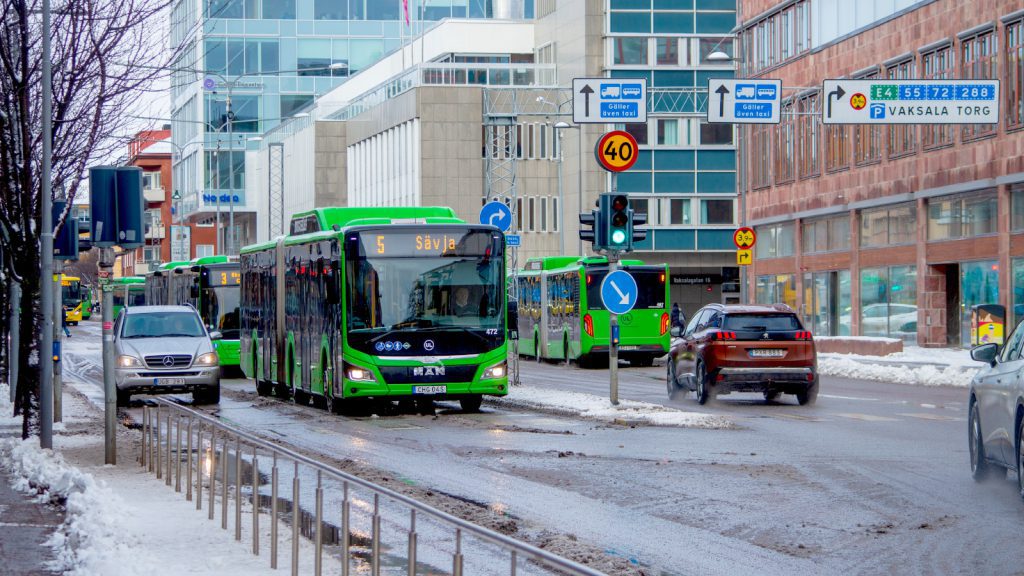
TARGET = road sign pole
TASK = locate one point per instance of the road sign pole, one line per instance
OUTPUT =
(613, 340)
(106, 266)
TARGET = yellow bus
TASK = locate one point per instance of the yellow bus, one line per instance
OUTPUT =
(71, 298)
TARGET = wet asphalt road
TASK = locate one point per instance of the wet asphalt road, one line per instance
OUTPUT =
(873, 479)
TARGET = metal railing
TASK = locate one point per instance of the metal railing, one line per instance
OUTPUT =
(375, 524)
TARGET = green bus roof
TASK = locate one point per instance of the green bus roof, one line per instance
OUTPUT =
(204, 260)
(172, 265)
(358, 215)
(129, 280)
(556, 262)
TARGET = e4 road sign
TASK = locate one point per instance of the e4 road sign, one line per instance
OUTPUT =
(744, 237)
(910, 102)
(617, 151)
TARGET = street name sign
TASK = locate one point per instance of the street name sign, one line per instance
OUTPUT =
(735, 101)
(496, 214)
(617, 151)
(618, 292)
(609, 100)
(910, 102)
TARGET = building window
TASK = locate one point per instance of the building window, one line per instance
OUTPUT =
(890, 226)
(679, 212)
(837, 147)
(1017, 209)
(244, 108)
(668, 51)
(902, 137)
(706, 46)
(777, 37)
(938, 65)
(556, 216)
(292, 103)
(715, 134)
(151, 254)
(628, 50)
(544, 214)
(825, 235)
(1014, 84)
(888, 302)
(151, 180)
(809, 135)
(716, 212)
(775, 241)
(530, 214)
(668, 131)
(279, 9)
(204, 250)
(867, 144)
(638, 130)
(965, 216)
(978, 54)
(760, 156)
(776, 289)
(785, 145)
(222, 173)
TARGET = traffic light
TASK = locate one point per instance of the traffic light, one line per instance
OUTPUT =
(636, 235)
(65, 244)
(615, 215)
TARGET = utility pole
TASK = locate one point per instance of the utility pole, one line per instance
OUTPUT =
(58, 333)
(46, 245)
(231, 173)
(106, 271)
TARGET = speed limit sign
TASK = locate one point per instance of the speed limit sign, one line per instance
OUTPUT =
(617, 151)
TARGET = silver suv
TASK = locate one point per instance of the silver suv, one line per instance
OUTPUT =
(164, 349)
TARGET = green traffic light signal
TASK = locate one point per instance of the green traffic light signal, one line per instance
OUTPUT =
(618, 229)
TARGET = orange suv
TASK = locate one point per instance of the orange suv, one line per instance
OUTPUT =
(744, 348)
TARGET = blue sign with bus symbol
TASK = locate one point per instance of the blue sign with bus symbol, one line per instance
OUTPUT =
(632, 91)
(620, 110)
(753, 110)
(756, 92)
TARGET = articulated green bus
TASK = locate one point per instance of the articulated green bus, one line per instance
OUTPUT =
(562, 317)
(377, 303)
(211, 284)
(86, 302)
(128, 291)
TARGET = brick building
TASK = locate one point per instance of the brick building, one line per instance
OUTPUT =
(886, 230)
(152, 150)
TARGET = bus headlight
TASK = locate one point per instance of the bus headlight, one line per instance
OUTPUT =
(208, 359)
(358, 373)
(499, 370)
(128, 362)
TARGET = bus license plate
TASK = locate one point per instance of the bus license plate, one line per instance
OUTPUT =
(768, 353)
(429, 389)
(169, 381)
(628, 347)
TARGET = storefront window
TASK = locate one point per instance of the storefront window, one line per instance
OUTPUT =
(1017, 314)
(844, 304)
(1017, 207)
(953, 217)
(776, 289)
(979, 284)
(888, 226)
(888, 302)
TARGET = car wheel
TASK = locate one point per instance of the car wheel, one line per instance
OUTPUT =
(703, 386)
(471, 403)
(671, 383)
(207, 395)
(808, 396)
(123, 397)
(771, 396)
(979, 465)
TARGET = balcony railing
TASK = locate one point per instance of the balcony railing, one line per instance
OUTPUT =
(157, 232)
(154, 194)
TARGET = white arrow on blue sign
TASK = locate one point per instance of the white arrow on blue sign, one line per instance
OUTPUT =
(496, 214)
(618, 292)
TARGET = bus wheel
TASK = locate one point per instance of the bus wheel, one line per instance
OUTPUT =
(471, 403)
(301, 397)
(565, 350)
(425, 406)
(264, 388)
(536, 349)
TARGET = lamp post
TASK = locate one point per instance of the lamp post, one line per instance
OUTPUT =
(559, 126)
(720, 57)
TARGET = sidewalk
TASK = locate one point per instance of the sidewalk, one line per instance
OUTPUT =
(25, 526)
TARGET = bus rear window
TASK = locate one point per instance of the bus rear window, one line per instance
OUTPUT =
(650, 286)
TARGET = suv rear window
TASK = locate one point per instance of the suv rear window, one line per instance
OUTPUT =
(761, 322)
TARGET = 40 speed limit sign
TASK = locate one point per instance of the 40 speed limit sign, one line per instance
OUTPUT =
(617, 151)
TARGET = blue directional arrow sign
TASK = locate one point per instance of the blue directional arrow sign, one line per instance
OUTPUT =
(618, 292)
(496, 214)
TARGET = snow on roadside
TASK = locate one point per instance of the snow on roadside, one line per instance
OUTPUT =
(867, 368)
(598, 408)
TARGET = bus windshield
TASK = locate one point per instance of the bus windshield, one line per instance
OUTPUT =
(220, 310)
(403, 282)
(650, 285)
(71, 293)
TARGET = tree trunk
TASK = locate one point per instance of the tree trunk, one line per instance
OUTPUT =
(26, 401)
(5, 313)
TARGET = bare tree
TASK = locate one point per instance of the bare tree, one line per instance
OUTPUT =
(103, 61)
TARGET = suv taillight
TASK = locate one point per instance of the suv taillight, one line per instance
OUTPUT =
(804, 335)
(725, 335)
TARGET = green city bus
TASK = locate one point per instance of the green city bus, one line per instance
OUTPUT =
(385, 303)
(128, 291)
(214, 289)
(158, 283)
(562, 317)
(86, 302)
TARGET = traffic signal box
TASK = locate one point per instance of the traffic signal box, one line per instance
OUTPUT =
(614, 224)
(116, 205)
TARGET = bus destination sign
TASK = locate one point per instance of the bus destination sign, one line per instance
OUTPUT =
(225, 278)
(474, 243)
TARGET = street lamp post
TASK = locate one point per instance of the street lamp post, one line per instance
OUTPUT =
(559, 126)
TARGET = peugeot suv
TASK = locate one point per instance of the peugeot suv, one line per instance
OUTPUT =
(165, 349)
(744, 348)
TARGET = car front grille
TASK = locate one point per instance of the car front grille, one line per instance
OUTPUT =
(169, 361)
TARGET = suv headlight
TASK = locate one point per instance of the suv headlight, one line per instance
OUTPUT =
(499, 370)
(358, 373)
(126, 361)
(208, 359)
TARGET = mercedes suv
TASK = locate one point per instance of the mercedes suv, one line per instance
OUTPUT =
(165, 349)
(744, 348)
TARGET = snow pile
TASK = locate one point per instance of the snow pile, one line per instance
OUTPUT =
(90, 533)
(879, 369)
(599, 408)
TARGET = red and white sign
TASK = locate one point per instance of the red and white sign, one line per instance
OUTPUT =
(108, 326)
(744, 238)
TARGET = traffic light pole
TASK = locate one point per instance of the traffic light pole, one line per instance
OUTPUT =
(106, 266)
(613, 324)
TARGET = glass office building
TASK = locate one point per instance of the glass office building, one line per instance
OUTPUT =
(258, 61)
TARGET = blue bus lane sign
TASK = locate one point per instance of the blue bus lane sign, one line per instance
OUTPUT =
(619, 292)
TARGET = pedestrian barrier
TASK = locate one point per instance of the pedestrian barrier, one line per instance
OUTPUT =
(377, 528)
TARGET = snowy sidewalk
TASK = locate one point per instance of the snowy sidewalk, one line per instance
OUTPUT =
(920, 366)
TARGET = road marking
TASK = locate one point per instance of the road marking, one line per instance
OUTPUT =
(868, 417)
(799, 417)
(936, 417)
(847, 398)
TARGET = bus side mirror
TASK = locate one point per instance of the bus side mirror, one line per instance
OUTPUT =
(330, 273)
(512, 319)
